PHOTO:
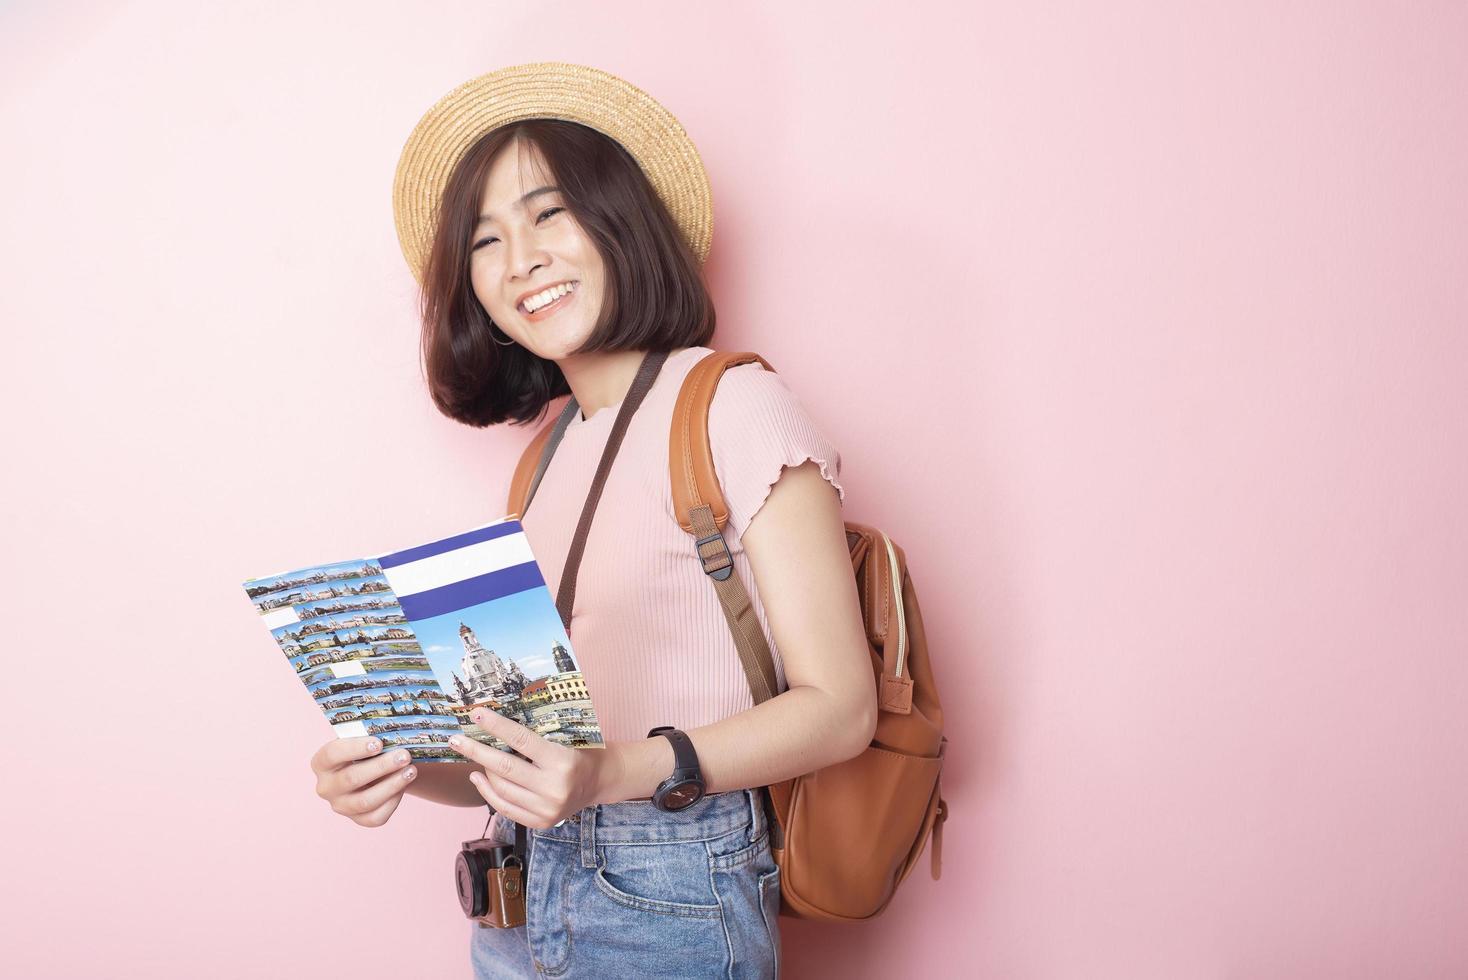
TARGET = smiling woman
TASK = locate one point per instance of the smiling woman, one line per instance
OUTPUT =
(560, 195)
(556, 258)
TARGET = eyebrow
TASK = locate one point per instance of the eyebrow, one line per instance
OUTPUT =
(522, 202)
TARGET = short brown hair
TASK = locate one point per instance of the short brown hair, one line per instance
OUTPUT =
(656, 295)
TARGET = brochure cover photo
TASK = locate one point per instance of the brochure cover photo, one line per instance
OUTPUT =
(405, 645)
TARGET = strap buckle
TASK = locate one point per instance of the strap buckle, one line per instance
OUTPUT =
(718, 571)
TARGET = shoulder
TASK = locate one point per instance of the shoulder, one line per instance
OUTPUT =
(748, 395)
(758, 427)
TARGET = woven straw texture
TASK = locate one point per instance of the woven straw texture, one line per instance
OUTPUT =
(548, 90)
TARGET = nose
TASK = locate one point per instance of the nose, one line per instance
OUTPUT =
(526, 256)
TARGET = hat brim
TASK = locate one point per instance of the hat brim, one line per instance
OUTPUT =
(547, 90)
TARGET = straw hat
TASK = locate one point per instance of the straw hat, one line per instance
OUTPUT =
(547, 90)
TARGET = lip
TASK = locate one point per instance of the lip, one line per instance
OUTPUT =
(538, 289)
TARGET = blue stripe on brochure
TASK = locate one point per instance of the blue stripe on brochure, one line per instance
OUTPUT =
(450, 544)
(472, 591)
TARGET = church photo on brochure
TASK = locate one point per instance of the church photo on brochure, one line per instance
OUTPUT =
(507, 655)
(406, 645)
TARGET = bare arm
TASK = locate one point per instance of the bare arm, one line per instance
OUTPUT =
(802, 567)
(446, 783)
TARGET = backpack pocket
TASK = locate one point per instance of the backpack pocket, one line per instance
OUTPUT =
(855, 829)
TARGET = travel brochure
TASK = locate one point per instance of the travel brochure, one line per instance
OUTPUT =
(405, 645)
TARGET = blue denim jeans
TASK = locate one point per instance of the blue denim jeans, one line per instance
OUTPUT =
(624, 889)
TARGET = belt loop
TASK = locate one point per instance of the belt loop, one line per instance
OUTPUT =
(756, 812)
(588, 837)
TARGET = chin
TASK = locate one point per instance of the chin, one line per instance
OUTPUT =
(554, 351)
(557, 346)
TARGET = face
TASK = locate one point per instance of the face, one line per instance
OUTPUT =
(529, 242)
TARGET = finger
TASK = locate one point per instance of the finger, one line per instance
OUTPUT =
(339, 752)
(473, 749)
(378, 817)
(526, 799)
(370, 796)
(498, 761)
(515, 813)
(514, 734)
(357, 775)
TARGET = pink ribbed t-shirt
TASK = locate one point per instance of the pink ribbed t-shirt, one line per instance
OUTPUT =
(646, 624)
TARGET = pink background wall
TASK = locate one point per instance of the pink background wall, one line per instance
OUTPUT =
(1139, 325)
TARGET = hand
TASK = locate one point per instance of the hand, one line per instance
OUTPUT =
(359, 781)
(547, 786)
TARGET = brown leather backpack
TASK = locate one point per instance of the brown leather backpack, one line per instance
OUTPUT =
(847, 835)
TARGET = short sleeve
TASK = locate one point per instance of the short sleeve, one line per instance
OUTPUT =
(757, 427)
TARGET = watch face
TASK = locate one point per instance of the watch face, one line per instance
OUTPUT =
(683, 795)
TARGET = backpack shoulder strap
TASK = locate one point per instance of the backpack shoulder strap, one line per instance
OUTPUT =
(535, 459)
(690, 457)
(698, 502)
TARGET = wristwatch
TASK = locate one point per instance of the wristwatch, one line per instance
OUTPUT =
(685, 787)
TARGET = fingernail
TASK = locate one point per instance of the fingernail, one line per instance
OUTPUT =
(401, 759)
(477, 715)
(409, 773)
(374, 746)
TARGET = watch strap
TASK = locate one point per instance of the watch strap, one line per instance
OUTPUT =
(685, 759)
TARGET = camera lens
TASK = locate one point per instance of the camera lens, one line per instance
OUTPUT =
(469, 879)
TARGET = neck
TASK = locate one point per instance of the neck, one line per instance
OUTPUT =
(600, 379)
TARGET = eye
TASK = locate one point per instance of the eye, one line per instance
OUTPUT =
(543, 215)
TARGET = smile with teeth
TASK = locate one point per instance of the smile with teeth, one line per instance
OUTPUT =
(543, 299)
